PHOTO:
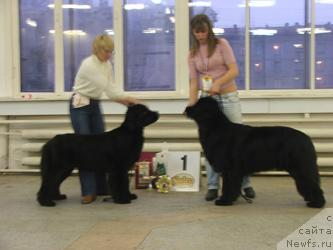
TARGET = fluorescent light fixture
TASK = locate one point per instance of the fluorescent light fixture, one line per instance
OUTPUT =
(324, 1)
(319, 62)
(31, 22)
(110, 32)
(71, 32)
(298, 45)
(75, 33)
(263, 32)
(218, 31)
(317, 30)
(72, 6)
(134, 6)
(296, 60)
(276, 47)
(318, 78)
(156, 1)
(149, 31)
(172, 19)
(258, 3)
(152, 30)
(200, 4)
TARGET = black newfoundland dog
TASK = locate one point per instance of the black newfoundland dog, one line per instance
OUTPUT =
(237, 150)
(114, 152)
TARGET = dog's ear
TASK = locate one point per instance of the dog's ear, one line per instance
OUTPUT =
(130, 117)
(139, 116)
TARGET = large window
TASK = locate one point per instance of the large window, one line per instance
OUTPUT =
(36, 46)
(149, 45)
(279, 52)
(271, 39)
(81, 24)
(229, 22)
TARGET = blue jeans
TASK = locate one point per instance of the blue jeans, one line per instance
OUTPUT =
(230, 105)
(89, 120)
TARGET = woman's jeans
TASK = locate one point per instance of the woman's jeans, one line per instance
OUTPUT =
(88, 120)
(230, 106)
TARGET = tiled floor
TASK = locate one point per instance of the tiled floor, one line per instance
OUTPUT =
(154, 221)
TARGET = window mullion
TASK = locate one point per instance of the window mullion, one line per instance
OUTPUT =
(58, 48)
(181, 47)
(313, 45)
(16, 76)
(119, 43)
(247, 46)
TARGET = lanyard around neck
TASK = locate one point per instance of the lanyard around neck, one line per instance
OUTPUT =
(203, 61)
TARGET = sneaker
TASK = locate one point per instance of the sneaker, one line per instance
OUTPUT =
(249, 192)
(88, 199)
(211, 194)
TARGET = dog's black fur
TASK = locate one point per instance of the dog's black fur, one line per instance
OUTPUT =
(237, 150)
(113, 152)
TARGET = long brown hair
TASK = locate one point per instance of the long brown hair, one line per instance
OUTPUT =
(201, 22)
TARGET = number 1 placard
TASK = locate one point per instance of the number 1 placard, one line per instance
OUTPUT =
(184, 169)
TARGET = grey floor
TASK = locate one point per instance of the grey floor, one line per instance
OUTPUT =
(154, 221)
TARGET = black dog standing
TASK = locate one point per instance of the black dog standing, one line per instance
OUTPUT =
(114, 152)
(237, 150)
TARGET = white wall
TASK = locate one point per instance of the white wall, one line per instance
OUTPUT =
(173, 106)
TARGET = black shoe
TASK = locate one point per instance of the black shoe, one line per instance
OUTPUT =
(211, 194)
(249, 192)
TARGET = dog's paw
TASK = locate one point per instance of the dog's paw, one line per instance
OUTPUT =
(133, 196)
(59, 197)
(223, 202)
(46, 203)
(122, 201)
(316, 204)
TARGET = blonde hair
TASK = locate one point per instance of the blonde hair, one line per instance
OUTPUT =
(102, 42)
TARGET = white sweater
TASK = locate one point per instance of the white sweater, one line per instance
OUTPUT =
(94, 78)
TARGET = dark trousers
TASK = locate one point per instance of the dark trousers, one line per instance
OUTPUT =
(89, 120)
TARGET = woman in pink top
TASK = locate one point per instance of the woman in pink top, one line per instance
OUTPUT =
(213, 69)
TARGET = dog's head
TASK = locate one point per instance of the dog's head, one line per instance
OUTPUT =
(205, 109)
(139, 116)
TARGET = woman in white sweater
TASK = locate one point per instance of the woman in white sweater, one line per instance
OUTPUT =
(94, 78)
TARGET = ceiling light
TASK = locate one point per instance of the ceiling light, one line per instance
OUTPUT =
(109, 32)
(134, 6)
(264, 32)
(317, 30)
(31, 22)
(218, 31)
(72, 6)
(75, 33)
(324, 1)
(258, 3)
(71, 32)
(298, 45)
(200, 4)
